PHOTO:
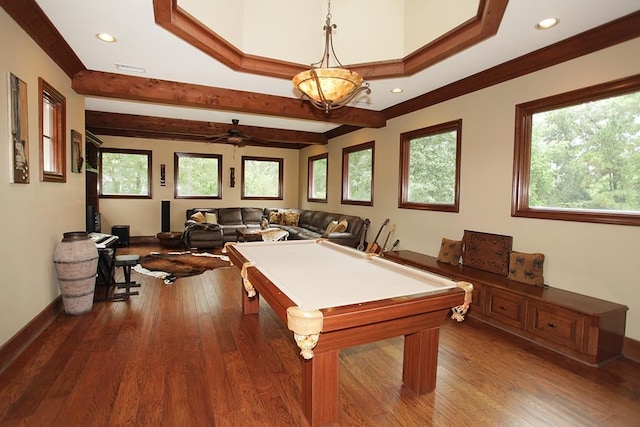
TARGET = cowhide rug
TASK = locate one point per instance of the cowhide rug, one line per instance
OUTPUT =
(173, 265)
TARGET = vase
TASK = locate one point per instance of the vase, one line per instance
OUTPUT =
(76, 262)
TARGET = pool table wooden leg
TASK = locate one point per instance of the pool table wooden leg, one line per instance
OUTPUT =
(250, 305)
(421, 360)
(320, 387)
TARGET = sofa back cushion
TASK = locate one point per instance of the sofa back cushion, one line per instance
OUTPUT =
(252, 215)
(230, 216)
(306, 217)
(319, 221)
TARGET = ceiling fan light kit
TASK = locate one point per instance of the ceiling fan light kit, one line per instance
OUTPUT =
(326, 87)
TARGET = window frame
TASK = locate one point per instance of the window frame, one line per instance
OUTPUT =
(346, 152)
(59, 142)
(311, 180)
(405, 142)
(176, 173)
(149, 155)
(522, 153)
(278, 160)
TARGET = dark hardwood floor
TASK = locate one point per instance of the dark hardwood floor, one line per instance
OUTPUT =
(183, 355)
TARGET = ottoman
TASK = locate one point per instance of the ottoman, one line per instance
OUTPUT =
(170, 239)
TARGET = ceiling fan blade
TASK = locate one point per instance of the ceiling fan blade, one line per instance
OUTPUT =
(261, 141)
(220, 135)
(217, 138)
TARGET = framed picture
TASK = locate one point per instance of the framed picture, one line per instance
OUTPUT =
(76, 152)
(19, 131)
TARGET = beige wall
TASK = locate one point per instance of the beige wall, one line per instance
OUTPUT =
(34, 215)
(593, 259)
(143, 216)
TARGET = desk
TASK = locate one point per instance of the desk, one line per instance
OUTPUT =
(107, 245)
(106, 255)
(357, 299)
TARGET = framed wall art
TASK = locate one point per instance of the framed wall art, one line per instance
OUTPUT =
(76, 151)
(19, 131)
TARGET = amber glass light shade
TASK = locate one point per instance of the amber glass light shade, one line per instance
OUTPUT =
(335, 84)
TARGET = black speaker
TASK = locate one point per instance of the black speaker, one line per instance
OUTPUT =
(166, 216)
(122, 231)
(92, 220)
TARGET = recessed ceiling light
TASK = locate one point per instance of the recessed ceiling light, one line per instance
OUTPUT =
(105, 37)
(545, 24)
(132, 68)
(397, 90)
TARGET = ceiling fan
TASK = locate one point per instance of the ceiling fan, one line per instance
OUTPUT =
(236, 137)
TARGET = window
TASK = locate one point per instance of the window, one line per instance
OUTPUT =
(125, 173)
(577, 155)
(262, 178)
(53, 113)
(357, 174)
(430, 168)
(197, 176)
(317, 178)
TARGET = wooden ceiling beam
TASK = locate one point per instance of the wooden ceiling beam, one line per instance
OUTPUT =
(34, 22)
(137, 126)
(132, 88)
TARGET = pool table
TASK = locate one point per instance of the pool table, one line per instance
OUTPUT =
(333, 297)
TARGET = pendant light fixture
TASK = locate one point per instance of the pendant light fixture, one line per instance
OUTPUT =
(329, 87)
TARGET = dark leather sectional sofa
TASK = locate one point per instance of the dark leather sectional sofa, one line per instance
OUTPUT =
(311, 225)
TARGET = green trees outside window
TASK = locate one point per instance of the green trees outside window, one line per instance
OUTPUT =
(125, 173)
(262, 178)
(357, 174)
(430, 167)
(317, 178)
(197, 176)
(587, 156)
(577, 155)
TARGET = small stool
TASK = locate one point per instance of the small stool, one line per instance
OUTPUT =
(126, 262)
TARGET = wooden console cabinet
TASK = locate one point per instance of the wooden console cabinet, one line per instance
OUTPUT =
(584, 328)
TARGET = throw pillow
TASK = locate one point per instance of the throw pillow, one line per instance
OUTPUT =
(450, 251)
(290, 218)
(341, 227)
(275, 217)
(331, 227)
(526, 268)
(198, 217)
(211, 218)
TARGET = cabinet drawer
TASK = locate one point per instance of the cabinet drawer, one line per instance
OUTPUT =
(557, 325)
(505, 307)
